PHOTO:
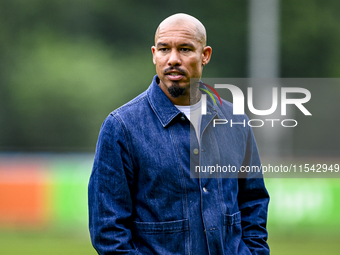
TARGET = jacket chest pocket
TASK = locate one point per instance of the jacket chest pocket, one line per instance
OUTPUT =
(166, 238)
(232, 232)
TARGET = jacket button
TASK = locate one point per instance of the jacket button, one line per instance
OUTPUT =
(183, 118)
(196, 151)
(205, 189)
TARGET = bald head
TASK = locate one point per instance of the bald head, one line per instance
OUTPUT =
(179, 54)
(181, 19)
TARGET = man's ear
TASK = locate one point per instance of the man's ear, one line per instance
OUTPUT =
(206, 55)
(153, 49)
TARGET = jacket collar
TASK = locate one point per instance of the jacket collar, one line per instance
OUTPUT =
(165, 110)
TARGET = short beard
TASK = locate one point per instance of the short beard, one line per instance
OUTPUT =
(175, 90)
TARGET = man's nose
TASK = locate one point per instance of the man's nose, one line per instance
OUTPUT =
(174, 58)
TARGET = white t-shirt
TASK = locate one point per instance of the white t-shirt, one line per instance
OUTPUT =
(193, 113)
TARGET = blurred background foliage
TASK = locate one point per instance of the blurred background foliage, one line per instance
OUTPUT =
(64, 65)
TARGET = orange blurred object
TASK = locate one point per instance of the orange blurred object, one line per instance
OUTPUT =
(23, 194)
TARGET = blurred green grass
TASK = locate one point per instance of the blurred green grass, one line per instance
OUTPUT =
(305, 244)
(58, 243)
(45, 243)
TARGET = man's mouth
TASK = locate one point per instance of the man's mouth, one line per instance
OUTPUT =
(174, 76)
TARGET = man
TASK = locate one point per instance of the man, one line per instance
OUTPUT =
(142, 199)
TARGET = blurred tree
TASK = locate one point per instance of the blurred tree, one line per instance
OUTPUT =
(310, 38)
(61, 90)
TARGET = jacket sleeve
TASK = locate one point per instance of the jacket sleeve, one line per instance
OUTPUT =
(109, 198)
(253, 201)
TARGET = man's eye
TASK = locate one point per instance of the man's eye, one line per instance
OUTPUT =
(185, 49)
(163, 49)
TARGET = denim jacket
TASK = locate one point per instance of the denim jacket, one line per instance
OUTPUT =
(142, 199)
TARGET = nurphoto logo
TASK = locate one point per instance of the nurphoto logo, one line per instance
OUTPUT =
(239, 102)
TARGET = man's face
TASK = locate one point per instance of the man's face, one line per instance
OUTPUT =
(178, 55)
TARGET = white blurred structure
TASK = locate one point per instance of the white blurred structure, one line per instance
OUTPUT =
(264, 45)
